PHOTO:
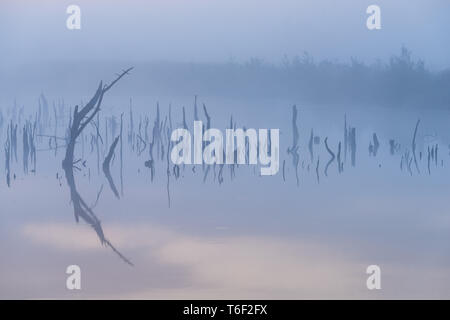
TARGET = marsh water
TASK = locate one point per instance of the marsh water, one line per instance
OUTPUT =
(236, 234)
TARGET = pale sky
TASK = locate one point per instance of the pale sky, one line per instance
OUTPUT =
(211, 31)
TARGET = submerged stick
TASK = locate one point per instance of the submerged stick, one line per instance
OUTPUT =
(106, 167)
(414, 146)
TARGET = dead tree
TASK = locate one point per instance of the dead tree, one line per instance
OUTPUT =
(393, 147)
(8, 160)
(80, 119)
(131, 127)
(121, 155)
(352, 142)
(205, 143)
(231, 166)
(376, 145)
(156, 141)
(331, 154)
(339, 161)
(106, 167)
(168, 165)
(436, 155)
(345, 138)
(26, 148)
(414, 146)
(317, 169)
(310, 146)
(294, 148)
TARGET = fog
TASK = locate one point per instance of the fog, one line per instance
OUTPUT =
(217, 31)
(364, 149)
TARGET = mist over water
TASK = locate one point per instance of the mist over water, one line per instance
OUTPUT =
(309, 231)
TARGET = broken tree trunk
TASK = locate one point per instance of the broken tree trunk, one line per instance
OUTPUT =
(106, 167)
(81, 118)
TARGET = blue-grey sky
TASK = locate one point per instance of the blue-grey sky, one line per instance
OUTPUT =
(209, 31)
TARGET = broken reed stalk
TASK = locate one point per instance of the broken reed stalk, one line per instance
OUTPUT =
(294, 149)
(107, 167)
(414, 146)
(331, 154)
(121, 155)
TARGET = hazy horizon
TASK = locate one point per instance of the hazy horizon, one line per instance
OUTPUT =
(202, 31)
